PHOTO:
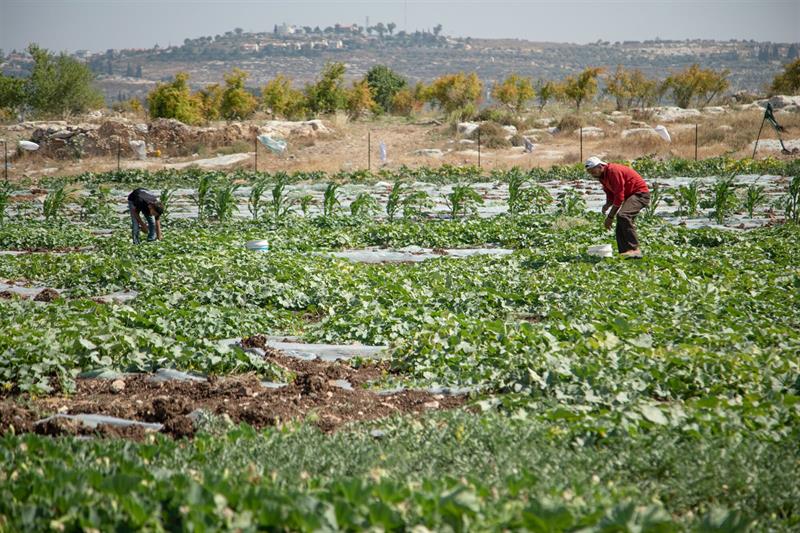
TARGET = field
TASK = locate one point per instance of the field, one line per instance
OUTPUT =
(428, 349)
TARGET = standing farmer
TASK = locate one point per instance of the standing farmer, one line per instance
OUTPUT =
(626, 195)
(141, 201)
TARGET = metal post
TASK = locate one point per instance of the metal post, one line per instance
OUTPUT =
(119, 151)
(369, 151)
(695, 142)
(5, 168)
(581, 159)
(255, 149)
(479, 148)
(758, 137)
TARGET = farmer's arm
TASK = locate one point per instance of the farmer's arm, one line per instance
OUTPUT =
(139, 219)
(158, 229)
(615, 194)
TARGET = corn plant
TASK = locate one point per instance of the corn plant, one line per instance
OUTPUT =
(329, 200)
(5, 194)
(203, 197)
(281, 203)
(570, 203)
(364, 205)
(415, 203)
(395, 199)
(254, 202)
(305, 202)
(224, 204)
(689, 198)
(462, 201)
(166, 197)
(516, 198)
(522, 199)
(724, 199)
(97, 206)
(656, 196)
(754, 197)
(57, 198)
(792, 201)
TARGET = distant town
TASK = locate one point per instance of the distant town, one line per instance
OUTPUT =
(300, 52)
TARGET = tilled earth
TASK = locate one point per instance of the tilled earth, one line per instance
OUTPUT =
(242, 398)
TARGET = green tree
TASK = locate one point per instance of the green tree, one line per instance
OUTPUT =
(630, 88)
(237, 103)
(580, 88)
(546, 91)
(384, 84)
(787, 82)
(327, 94)
(12, 93)
(210, 99)
(359, 99)
(696, 83)
(281, 99)
(459, 93)
(514, 92)
(175, 100)
(60, 85)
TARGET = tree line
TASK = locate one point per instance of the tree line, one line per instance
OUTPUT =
(60, 85)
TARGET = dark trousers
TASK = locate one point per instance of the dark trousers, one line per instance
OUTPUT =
(626, 230)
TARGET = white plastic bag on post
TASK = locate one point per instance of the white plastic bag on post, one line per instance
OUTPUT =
(139, 148)
(276, 146)
(663, 133)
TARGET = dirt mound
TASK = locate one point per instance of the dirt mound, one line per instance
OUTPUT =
(47, 295)
(319, 390)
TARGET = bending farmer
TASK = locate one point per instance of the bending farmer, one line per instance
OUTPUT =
(141, 201)
(626, 195)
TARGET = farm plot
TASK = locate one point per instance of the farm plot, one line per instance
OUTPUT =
(540, 389)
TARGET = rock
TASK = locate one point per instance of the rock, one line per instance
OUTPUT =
(510, 130)
(544, 122)
(433, 404)
(429, 152)
(466, 141)
(671, 113)
(780, 101)
(466, 128)
(714, 110)
(141, 128)
(640, 132)
(117, 385)
(591, 132)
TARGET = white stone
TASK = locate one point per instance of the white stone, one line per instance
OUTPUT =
(640, 132)
(429, 152)
(591, 132)
(466, 128)
(117, 385)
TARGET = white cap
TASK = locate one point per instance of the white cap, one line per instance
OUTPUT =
(593, 162)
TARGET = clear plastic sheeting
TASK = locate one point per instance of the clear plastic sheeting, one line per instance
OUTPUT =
(412, 254)
(277, 146)
(92, 421)
(324, 352)
(170, 374)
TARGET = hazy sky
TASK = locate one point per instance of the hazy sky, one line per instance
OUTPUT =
(101, 24)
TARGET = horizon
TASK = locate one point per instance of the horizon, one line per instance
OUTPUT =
(91, 25)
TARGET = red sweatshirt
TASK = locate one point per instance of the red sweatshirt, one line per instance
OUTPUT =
(619, 182)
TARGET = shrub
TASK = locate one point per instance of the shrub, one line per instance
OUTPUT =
(491, 135)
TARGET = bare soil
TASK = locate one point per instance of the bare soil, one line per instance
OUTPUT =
(312, 395)
(348, 145)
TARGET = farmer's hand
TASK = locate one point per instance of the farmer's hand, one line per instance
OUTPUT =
(142, 226)
(608, 222)
(605, 208)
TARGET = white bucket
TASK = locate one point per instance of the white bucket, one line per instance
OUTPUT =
(600, 250)
(258, 246)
